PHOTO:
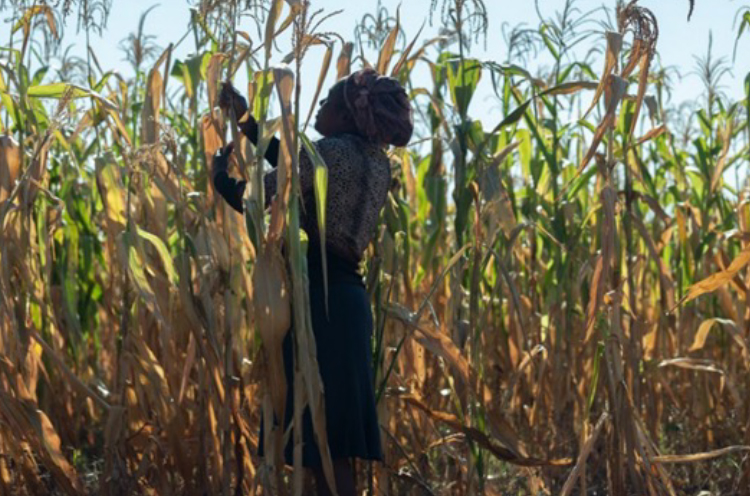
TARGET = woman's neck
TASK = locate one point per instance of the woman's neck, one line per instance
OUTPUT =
(362, 139)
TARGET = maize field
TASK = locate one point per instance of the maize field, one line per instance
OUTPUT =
(561, 300)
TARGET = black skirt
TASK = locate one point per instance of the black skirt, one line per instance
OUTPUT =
(344, 350)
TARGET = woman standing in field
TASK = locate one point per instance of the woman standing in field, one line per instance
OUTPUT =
(363, 114)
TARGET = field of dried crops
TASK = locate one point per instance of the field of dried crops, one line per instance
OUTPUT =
(561, 302)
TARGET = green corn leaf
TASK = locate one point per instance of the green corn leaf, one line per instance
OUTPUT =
(463, 78)
(191, 72)
(321, 196)
(548, 41)
(132, 257)
(744, 24)
(514, 116)
(261, 101)
(196, 17)
(59, 90)
(39, 75)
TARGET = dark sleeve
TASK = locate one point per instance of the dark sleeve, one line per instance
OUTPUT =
(230, 189)
(269, 187)
(250, 130)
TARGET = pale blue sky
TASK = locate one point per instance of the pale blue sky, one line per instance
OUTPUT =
(680, 41)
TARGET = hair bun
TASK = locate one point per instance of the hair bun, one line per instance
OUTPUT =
(380, 107)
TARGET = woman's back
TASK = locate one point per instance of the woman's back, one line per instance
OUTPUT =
(359, 176)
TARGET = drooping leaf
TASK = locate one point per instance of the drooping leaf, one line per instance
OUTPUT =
(642, 84)
(33, 426)
(715, 281)
(651, 135)
(189, 72)
(25, 21)
(744, 24)
(163, 252)
(700, 337)
(614, 47)
(616, 89)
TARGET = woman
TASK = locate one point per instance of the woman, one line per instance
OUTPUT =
(363, 114)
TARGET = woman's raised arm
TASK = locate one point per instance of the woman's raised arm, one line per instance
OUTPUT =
(231, 98)
(232, 190)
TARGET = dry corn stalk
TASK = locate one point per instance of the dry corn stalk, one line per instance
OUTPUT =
(10, 165)
(273, 318)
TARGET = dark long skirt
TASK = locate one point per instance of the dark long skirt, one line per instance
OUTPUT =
(344, 348)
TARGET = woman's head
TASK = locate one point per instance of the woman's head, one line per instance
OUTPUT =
(372, 106)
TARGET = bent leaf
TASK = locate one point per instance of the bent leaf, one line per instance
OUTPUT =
(700, 337)
(163, 252)
(25, 21)
(715, 281)
(58, 90)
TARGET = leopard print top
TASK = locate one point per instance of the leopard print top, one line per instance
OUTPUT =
(359, 177)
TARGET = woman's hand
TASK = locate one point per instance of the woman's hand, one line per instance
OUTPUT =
(230, 98)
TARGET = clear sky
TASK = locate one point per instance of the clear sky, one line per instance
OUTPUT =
(679, 42)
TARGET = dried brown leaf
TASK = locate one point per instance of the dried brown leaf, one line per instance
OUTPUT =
(614, 47)
(325, 66)
(498, 449)
(344, 62)
(701, 457)
(33, 424)
(715, 281)
(213, 73)
(615, 89)
(386, 53)
(405, 55)
(10, 165)
(584, 455)
(699, 342)
(653, 134)
(726, 137)
(642, 84)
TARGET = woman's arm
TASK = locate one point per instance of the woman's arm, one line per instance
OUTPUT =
(228, 187)
(231, 189)
(250, 129)
(230, 98)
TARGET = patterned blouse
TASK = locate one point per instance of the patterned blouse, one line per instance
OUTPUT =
(359, 177)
